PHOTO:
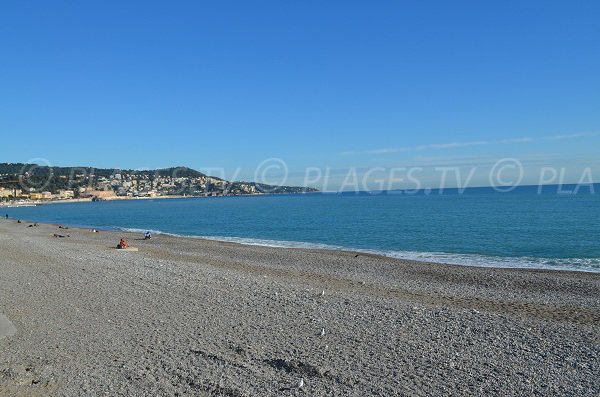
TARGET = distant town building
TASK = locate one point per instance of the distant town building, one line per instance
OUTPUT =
(99, 194)
(65, 194)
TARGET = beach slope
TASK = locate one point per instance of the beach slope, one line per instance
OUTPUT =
(195, 317)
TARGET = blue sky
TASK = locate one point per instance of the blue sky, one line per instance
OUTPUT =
(333, 85)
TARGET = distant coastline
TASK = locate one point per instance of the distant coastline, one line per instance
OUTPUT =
(32, 183)
(29, 203)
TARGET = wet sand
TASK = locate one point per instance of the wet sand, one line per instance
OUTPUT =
(196, 317)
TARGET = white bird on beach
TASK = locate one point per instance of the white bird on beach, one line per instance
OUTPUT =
(322, 331)
(300, 384)
(323, 293)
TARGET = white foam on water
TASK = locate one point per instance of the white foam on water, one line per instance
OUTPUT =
(476, 260)
(138, 230)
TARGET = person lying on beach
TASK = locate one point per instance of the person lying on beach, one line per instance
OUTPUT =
(61, 235)
(123, 244)
(63, 227)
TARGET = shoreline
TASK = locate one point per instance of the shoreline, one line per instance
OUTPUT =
(324, 248)
(201, 317)
(446, 259)
(85, 200)
(30, 203)
(137, 235)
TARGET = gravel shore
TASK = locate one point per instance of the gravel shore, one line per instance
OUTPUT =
(195, 317)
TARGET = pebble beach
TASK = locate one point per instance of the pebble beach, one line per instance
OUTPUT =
(193, 317)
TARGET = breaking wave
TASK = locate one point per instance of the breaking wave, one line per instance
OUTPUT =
(476, 260)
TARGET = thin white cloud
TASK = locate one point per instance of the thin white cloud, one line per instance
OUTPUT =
(569, 136)
(387, 150)
(515, 140)
(530, 159)
(449, 145)
(453, 145)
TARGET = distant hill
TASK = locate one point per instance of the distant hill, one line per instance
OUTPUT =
(166, 181)
(41, 170)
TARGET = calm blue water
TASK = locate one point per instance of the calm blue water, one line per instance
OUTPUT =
(480, 227)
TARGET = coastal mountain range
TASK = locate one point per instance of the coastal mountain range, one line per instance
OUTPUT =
(165, 181)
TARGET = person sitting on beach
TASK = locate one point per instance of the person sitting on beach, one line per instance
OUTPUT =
(147, 236)
(123, 244)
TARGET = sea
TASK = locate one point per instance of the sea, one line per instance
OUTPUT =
(549, 227)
